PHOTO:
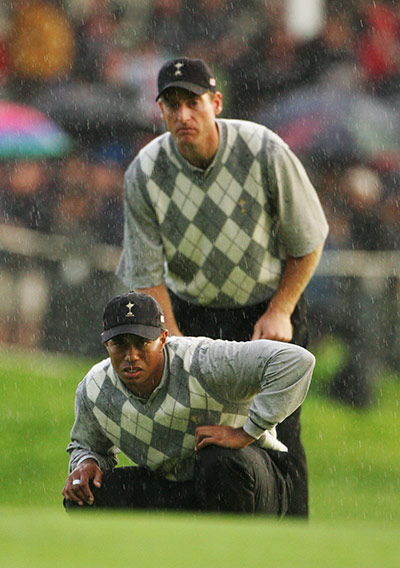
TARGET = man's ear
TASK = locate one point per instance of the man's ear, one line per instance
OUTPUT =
(161, 109)
(217, 103)
(163, 337)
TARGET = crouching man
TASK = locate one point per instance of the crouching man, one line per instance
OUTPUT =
(196, 416)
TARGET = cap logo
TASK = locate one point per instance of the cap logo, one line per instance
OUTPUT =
(178, 67)
(129, 305)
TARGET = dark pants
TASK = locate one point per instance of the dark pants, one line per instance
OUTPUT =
(251, 480)
(237, 324)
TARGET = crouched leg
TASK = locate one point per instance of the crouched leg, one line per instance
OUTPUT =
(139, 488)
(240, 481)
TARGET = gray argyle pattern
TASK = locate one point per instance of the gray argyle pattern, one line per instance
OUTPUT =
(205, 382)
(222, 233)
(163, 438)
(159, 434)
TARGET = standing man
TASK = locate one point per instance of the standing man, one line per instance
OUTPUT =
(197, 416)
(223, 227)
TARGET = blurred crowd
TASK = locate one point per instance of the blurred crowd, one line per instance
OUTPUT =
(119, 45)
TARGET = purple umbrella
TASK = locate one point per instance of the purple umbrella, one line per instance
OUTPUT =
(26, 133)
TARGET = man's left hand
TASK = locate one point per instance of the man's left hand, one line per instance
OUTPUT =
(225, 436)
(274, 325)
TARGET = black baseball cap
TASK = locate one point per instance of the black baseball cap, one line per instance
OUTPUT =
(138, 314)
(191, 74)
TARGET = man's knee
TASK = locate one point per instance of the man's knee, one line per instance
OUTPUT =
(243, 480)
(214, 462)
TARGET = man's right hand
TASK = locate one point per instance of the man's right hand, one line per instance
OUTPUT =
(80, 492)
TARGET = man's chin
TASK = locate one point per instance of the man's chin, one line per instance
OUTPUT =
(186, 136)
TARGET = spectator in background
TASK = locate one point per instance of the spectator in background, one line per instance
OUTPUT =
(73, 172)
(169, 38)
(135, 70)
(331, 56)
(390, 217)
(267, 68)
(28, 198)
(78, 207)
(362, 191)
(378, 47)
(355, 203)
(41, 45)
(86, 207)
(106, 186)
(354, 199)
(26, 203)
(75, 213)
(4, 55)
(96, 40)
(328, 180)
(206, 24)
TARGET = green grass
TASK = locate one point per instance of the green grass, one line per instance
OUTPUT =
(36, 414)
(46, 539)
(354, 462)
(354, 458)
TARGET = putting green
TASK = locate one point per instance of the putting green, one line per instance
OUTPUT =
(45, 538)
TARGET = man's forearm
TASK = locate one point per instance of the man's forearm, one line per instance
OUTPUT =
(80, 454)
(160, 293)
(295, 277)
(275, 322)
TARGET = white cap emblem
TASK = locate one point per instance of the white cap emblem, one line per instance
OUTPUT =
(178, 67)
(129, 305)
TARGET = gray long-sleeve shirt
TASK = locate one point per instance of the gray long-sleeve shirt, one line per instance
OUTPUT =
(205, 382)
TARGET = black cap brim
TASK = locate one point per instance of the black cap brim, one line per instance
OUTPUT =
(196, 89)
(146, 331)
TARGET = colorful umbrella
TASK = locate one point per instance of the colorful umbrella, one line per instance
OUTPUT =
(27, 133)
(331, 124)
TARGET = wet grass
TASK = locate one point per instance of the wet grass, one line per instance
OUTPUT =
(37, 538)
(354, 457)
(354, 461)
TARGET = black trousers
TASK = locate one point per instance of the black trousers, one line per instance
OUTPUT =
(251, 480)
(236, 324)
